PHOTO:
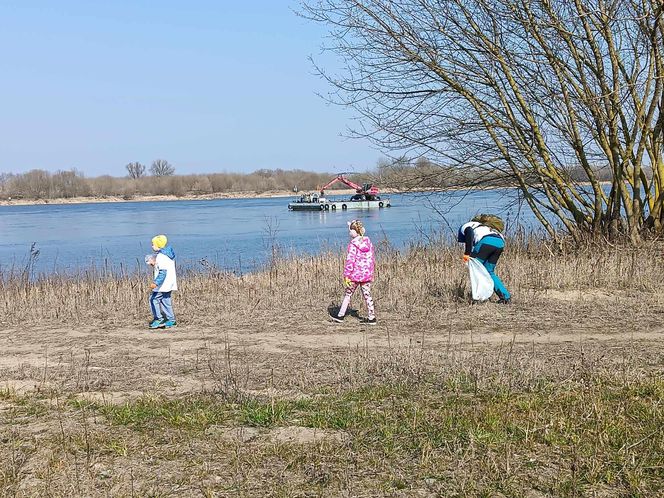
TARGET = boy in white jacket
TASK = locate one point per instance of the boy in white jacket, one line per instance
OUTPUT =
(164, 282)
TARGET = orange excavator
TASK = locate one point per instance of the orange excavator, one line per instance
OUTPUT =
(366, 191)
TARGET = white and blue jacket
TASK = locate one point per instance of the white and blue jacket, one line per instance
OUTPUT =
(472, 232)
(164, 270)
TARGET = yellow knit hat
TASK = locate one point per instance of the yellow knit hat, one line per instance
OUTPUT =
(159, 241)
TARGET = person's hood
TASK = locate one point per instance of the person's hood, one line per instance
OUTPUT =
(168, 251)
(362, 243)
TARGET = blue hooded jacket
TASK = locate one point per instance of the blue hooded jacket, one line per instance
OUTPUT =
(161, 276)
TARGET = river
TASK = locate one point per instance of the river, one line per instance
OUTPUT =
(232, 234)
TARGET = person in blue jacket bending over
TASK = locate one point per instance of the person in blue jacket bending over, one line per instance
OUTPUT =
(485, 242)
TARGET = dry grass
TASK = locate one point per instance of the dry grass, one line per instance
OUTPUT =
(257, 394)
(414, 283)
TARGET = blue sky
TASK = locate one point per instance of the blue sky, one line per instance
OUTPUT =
(211, 86)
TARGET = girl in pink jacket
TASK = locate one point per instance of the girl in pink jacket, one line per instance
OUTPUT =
(358, 271)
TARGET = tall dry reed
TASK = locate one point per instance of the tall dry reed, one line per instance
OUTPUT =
(422, 276)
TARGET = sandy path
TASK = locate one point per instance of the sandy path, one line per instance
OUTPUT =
(127, 361)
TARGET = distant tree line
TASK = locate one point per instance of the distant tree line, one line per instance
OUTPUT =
(421, 174)
(39, 184)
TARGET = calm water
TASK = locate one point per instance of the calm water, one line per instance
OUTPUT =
(235, 234)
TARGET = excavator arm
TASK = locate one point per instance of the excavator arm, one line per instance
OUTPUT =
(360, 189)
(344, 180)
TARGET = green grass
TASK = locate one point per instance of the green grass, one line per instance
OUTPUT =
(23, 407)
(257, 413)
(579, 434)
(562, 438)
(150, 412)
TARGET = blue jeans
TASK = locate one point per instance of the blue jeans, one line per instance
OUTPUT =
(487, 251)
(161, 301)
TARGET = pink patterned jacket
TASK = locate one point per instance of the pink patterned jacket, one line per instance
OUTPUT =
(359, 265)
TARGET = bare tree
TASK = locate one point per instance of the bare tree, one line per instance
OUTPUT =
(135, 170)
(72, 183)
(35, 184)
(161, 167)
(521, 90)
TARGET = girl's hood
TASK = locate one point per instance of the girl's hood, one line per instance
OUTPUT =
(362, 243)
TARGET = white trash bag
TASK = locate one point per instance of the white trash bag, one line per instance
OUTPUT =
(481, 284)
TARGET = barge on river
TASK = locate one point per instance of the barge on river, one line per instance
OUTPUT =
(366, 197)
(315, 202)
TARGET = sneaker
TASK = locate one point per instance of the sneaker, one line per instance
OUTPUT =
(338, 319)
(169, 323)
(504, 301)
(368, 321)
(156, 324)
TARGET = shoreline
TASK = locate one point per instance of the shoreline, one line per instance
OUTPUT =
(157, 198)
(218, 195)
(168, 197)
